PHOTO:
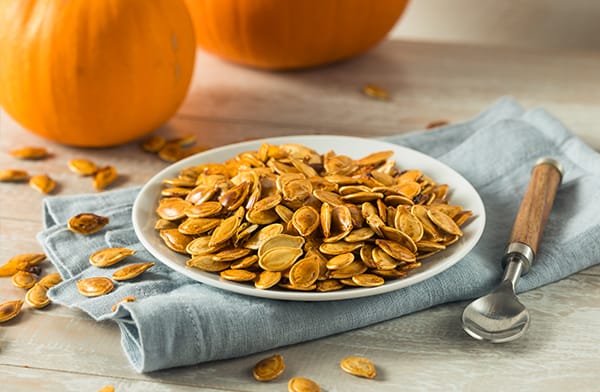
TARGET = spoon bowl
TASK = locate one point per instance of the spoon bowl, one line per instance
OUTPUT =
(498, 317)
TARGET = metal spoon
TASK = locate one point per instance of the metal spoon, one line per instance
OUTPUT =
(500, 316)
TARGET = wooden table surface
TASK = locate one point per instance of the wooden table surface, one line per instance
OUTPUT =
(60, 349)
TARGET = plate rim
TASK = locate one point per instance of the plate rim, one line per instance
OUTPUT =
(349, 293)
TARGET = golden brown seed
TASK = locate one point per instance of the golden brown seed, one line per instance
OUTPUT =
(83, 167)
(107, 388)
(37, 296)
(444, 222)
(337, 248)
(130, 298)
(340, 261)
(171, 152)
(355, 268)
(301, 384)
(396, 250)
(131, 271)
(109, 256)
(329, 285)
(29, 153)
(304, 273)
(87, 223)
(42, 183)
(305, 220)
(358, 366)
(238, 275)
(231, 254)
(279, 259)
(23, 279)
(382, 260)
(94, 287)
(268, 202)
(175, 240)
(10, 310)
(280, 241)
(367, 280)
(267, 279)
(206, 263)
(104, 177)
(203, 210)
(172, 208)
(163, 224)
(175, 192)
(376, 92)
(245, 262)
(225, 231)
(13, 175)
(197, 226)
(358, 235)
(50, 280)
(153, 143)
(375, 159)
(21, 262)
(269, 368)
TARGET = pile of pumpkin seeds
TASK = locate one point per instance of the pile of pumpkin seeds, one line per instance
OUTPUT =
(286, 216)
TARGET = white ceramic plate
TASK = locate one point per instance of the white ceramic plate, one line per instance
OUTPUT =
(462, 193)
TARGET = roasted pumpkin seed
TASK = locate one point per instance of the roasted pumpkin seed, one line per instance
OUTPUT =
(269, 368)
(42, 183)
(359, 366)
(238, 275)
(130, 298)
(131, 271)
(37, 296)
(153, 143)
(94, 287)
(301, 384)
(87, 223)
(104, 177)
(109, 256)
(29, 153)
(50, 280)
(10, 310)
(13, 175)
(24, 280)
(83, 167)
(21, 262)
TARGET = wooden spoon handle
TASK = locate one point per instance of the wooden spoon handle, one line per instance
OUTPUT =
(537, 203)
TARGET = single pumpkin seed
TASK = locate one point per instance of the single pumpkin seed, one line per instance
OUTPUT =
(50, 280)
(301, 384)
(21, 262)
(104, 177)
(207, 263)
(444, 222)
(42, 183)
(175, 240)
(267, 279)
(37, 296)
(83, 167)
(29, 153)
(13, 175)
(10, 310)
(269, 368)
(109, 256)
(23, 279)
(359, 366)
(87, 223)
(304, 273)
(368, 280)
(279, 259)
(131, 271)
(329, 285)
(238, 275)
(153, 143)
(94, 287)
(130, 298)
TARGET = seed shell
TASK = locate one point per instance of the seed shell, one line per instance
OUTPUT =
(37, 296)
(23, 280)
(131, 271)
(104, 177)
(29, 153)
(42, 183)
(83, 167)
(301, 384)
(50, 280)
(94, 287)
(13, 175)
(87, 223)
(359, 366)
(109, 256)
(10, 310)
(269, 368)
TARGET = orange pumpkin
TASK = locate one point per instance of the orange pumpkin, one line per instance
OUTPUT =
(94, 72)
(284, 34)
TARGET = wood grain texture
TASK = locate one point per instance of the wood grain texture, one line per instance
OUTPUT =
(536, 206)
(57, 348)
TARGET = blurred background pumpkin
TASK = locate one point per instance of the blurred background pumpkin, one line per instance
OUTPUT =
(94, 72)
(286, 34)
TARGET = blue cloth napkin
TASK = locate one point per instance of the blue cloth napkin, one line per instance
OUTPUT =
(176, 321)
